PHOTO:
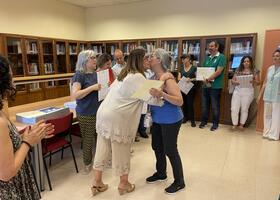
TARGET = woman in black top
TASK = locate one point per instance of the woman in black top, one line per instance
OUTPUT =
(188, 71)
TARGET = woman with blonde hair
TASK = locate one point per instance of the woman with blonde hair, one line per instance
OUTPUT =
(85, 91)
(114, 136)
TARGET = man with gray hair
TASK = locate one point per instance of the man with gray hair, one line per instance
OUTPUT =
(117, 68)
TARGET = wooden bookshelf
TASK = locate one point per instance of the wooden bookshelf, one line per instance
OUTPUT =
(42, 67)
(57, 57)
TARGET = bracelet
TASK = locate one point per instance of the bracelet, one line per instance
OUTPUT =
(27, 143)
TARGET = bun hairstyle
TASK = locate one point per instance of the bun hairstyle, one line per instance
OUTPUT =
(6, 86)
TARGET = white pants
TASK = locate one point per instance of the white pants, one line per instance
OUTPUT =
(241, 99)
(107, 150)
(271, 128)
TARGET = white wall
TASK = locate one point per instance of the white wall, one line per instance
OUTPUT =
(49, 18)
(168, 18)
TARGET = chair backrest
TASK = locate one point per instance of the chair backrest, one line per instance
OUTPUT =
(61, 124)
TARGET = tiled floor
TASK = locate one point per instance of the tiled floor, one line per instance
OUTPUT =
(221, 165)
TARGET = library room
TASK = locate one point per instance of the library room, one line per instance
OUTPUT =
(139, 99)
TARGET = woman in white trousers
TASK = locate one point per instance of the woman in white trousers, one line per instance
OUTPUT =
(243, 94)
(271, 96)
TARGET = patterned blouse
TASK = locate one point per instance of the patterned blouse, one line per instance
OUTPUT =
(22, 186)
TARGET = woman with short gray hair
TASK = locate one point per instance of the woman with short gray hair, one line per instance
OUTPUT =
(164, 57)
(83, 57)
(167, 121)
(85, 91)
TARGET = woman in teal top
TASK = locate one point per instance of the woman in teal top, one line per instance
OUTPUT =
(271, 96)
(188, 71)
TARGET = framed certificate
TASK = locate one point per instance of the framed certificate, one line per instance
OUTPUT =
(204, 72)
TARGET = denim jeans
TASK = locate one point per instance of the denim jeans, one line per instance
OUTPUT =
(164, 143)
(212, 96)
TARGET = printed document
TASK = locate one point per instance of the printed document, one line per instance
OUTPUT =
(144, 91)
(204, 72)
(103, 80)
(185, 86)
(245, 81)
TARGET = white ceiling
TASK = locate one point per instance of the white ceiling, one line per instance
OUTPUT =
(99, 3)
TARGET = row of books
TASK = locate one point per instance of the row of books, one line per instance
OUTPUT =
(60, 49)
(82, 47)
(97, 49)
(112, 49)
(14, 47)
(241, 48)
(171, 47)
(150, 47)
(129, 47)
(72, 49)
(49, 69)
(31, 47)
(33, 68)
(191, 48)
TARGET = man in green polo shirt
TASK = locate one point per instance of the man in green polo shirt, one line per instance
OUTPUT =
(212, 87)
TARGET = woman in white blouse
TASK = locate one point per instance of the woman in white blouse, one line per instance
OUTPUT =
(243, 95)
(116, 125)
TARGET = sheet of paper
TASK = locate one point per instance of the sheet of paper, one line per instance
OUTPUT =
(204, 72)
(143, 92)
(185, 86)
(103, 80)
(245, 81)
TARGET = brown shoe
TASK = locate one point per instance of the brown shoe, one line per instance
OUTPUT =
(97, 189)
(127, 189)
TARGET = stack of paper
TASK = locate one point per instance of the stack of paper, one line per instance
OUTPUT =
(32, 117)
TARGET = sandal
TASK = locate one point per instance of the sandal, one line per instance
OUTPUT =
(97, 189)
(128, 188)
